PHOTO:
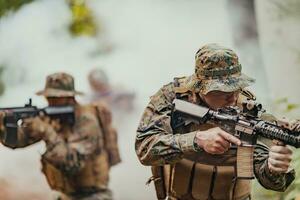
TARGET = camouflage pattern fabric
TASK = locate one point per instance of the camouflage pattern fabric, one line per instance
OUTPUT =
(74, 152)
(217, 68)
(157, 144)
(59, 85)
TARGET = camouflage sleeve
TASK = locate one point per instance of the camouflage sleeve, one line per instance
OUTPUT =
(269, 180)
(156, 144)
(27, 133)
(273, 181)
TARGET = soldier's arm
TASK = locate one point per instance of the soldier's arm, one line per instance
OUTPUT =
(26, 134)
(268, 179)
(156, 144)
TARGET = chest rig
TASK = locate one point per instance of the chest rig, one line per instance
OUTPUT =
(94, 174)
(199, 175)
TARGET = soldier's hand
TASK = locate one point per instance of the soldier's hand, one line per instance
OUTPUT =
(40, 126)
(215, 140)
(280, 158)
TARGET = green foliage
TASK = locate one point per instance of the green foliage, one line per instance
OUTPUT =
(281, 100)
(288, 9)
(11, 5)
(288, 107)
(2, 87)
(83, 22)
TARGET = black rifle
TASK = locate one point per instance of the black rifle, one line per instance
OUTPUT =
(246, 124)
(14, 116)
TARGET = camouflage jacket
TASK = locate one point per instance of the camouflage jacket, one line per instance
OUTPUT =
(68, 147)
(158, 144)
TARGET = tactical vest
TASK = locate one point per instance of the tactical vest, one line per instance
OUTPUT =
(199, 175)
(94, 175)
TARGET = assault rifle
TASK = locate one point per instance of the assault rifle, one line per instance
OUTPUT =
(246, 126)
(15, 115)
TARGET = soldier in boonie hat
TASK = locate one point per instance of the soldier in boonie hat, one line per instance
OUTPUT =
(78, 156)
(59, 85)
(217, 68)
(197, 157)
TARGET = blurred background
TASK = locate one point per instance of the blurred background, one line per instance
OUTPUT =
(136, 46)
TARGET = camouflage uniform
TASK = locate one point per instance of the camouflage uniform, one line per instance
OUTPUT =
(77, 158)
(182, 170)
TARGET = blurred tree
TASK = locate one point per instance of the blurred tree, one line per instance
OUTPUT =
(242, 19)
(2, 87)
(83, 22)
(287, 8)
(286, 13)
(11, 5)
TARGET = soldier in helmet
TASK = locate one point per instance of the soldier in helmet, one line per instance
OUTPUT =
(78, 158)
(185, 158)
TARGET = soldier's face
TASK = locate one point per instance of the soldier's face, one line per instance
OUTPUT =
(219, 99)
(60, 101)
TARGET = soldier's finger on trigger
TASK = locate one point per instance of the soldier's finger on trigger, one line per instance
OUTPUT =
(230, 138)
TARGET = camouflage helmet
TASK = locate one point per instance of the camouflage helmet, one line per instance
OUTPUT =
(59, 85)
(217, 68)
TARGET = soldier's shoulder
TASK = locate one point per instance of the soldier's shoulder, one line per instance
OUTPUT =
(100, 105)
(164, 97)
(103, 110)
(165, 92)
(176, 86)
